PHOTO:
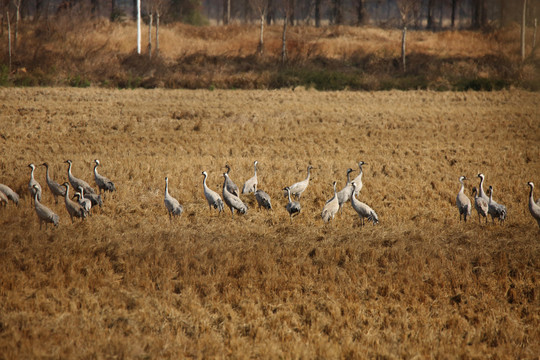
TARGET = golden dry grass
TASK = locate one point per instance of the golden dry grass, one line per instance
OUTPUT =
(126, 283)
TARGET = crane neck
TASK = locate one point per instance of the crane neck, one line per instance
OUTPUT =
(32, 173)
(531, 196)
(167, 187)
(67, 192)
(204, 180)
(289, 194)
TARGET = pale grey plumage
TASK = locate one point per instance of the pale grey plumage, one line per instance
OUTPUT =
(231, 186)
(33, 186)
(44, 214)
(86, 203)
(76, 182)
(481, 192)
(173, 206)
(212, 197)
(358, 179)
(534, 207)
(463, 203)
(11, 195)
(331, 207)
(56, 189)
(96, 199)
(480, 204)
(298, 188)
(102, 182)
(495, 210)
(232, 201)
(263, 199)
(73, 208)
(250, 186)
(363, 210)
(344, 194)
(293, 207)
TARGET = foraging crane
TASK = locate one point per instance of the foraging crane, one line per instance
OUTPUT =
(44, 214)
(211, 196)
(293, 207)
(73, 208)
(363, 210)
(232, 200)
(76, 182)
(480, 204)
(85, 202)
(298, 188)
(33, 186)
(534, 207)
(358, 179)
(463, 203)
(56, 189)
(231, 186)
(173, 206)
(11, 195)
(263, 199)
(102, 182)
(251, 184)
(344, 194)
(495, 210)
(331, 207)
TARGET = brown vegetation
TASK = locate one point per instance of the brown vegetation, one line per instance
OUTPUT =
(127, 283)
(68, 51)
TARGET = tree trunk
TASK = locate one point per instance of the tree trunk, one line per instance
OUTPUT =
(135, 5)
(17, 19)
(113, 10)
(360, 12)
(337, 12)
(284, 40)
(290, 12)
(317, 13)
(139, 27)
(453, 16)
(523, 23)
(9, 39)
(150, 19)
(475, 14)
(270, 12)
(260, 48)
(430, 15)
(403, 48)
(534, 34)
(157, 33)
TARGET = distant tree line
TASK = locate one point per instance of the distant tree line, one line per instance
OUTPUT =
(424, 14)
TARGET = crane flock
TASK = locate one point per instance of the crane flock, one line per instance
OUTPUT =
(87, 198)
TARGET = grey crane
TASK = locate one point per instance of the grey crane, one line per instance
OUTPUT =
(480, 204)
(11, 195)
(76, 182)
(293, 207)
(33, 186)
(298, 188)
(363, 210)
(44, 214)
(250, 186)
(331, 207)
(263, 199)
(534, 207)
(231, 186)
(56, 189)
(232, 200)
(102, 182)
(463, 203)
(86, 203)
(358, 179)
(173, 206)
(481, 192)
(73, 208)
(212, 197)
(344, 194)
(495, 210)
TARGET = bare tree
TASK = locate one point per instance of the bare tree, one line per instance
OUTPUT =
(430, 6)
(360, 12)
(17, 4)
(407, 10)
(284, 38)
(261, 6)
(317, 13)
